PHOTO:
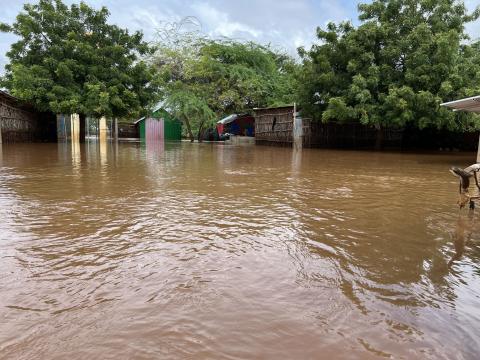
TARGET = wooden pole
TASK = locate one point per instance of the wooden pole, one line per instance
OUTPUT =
(87, 128)
(297, 130)
(75, 127)
(102, 139)
(294, 112)
(115, 129)
(102, 129)
(478, 150)
(294, 127)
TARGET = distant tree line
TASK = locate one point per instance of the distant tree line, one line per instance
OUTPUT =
(393, 70)
(70, 60)
(201, 80)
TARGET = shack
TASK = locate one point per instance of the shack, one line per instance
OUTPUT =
(160, 125)
(237, 124)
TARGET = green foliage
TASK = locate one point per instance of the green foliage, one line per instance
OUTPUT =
(395, 69)
(70, 60)
(241, 76)
(203, 80)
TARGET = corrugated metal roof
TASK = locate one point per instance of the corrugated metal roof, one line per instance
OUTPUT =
(137, 121)
(16, 102)
(471, 104)
(231, 118)
(228, 119)
(8, 96)
(158, 106)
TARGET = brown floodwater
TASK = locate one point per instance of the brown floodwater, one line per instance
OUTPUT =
(188, 251)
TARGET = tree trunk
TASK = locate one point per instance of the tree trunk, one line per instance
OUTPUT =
(200, 132)
(189, 129)
(115, 129)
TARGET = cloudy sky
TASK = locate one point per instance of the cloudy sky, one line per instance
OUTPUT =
(286, 24)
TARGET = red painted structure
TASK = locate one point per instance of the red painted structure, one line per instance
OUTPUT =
(154, 129)
(237, 124)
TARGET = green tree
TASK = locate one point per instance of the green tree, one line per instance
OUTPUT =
(204, 79)
(70, 60)
(395, 69)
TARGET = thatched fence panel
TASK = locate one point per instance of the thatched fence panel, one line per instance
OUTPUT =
(274, 126)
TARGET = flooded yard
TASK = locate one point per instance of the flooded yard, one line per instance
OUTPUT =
(206, 251)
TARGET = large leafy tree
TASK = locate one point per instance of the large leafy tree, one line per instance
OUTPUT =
(204, 79)
(70, 60)
(395, 69)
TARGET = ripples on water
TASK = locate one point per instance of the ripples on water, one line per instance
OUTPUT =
(208, 251)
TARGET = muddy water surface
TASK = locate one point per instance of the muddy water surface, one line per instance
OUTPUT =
(216, 252)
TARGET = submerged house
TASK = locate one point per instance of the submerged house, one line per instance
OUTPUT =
(237, 124)
(160, 125)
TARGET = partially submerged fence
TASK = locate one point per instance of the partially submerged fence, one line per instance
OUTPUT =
(274, 126)
(73, 127)
(350, 135)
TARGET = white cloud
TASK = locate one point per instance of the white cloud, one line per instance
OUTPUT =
(473, 29)
(285, 24)
(220, 24)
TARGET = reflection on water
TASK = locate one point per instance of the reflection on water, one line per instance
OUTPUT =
(167, 250)
(463, 234)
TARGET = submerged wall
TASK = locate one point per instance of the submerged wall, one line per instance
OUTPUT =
(19, 123)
